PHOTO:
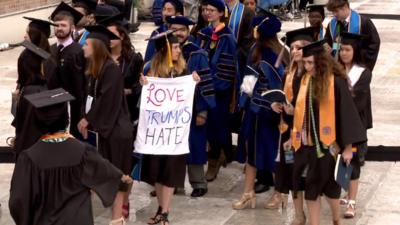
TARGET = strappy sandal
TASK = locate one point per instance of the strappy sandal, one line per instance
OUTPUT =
(164, 219)
(118, 221)
(155, 218)
(351, 210)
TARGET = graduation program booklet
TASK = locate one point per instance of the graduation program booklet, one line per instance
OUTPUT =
(343, 173)
(93, 138)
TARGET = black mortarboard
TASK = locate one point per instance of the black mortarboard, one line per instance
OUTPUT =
(266, 26)
(101, 33)
(317, 8)
(313, 48)
(164, 40)
(89, 5)
(50, 105)
(68, 10)
(35, 49)
(182, 20)
(177, 4)
(112, 19)
(306, 34)
(42, 25)
(219, 4)
(350, 38)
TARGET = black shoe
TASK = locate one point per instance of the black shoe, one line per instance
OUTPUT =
(260, 188)
(199, 192)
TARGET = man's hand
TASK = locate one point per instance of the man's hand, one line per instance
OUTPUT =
(82, 127)
(347, 154)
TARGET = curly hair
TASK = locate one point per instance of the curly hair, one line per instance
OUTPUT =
(324, 66)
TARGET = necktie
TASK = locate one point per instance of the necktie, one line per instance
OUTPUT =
(345, 26)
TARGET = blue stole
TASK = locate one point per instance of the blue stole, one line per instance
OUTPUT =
(235, 19)
(353, 27)
(321, 33)
(83, 38)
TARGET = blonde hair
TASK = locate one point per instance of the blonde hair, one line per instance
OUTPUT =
(159, 65)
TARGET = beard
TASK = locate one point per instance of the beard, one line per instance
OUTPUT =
(62, 35)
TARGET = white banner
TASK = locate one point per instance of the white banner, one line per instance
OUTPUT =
(165, 113)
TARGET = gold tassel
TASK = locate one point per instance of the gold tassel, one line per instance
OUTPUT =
(255, 33)
(169, 54)
(226, 12)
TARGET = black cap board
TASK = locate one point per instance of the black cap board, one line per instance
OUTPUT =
(350, 38)
(101, 33)
(161, 39)
(35, 49)
(306, 34)
(111, 19)
(182, 20)
(64, 8)
(314, 48)
(89, 5)
(42, 25)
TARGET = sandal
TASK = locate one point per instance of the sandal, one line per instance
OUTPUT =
(120, 221)
(164, 219)
(351, 210)
(343, 201)
(155, 218)
(125, 211)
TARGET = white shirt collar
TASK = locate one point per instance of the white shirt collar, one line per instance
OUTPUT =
(66, 43)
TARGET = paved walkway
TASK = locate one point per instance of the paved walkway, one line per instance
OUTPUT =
(379, 196)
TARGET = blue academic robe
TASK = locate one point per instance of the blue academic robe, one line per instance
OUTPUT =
(151, 46)
(197, 60)
(225, 74)
(260, 124)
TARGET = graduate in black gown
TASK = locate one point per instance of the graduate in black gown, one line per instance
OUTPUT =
(33, 71)
(87, 9)
(326, 122)
(106, 109)
(70, 62)
(316, 17)
(131, 65)
(347, 20)
(53, 179)
(359, 79)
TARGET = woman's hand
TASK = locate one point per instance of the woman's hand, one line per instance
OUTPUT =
(287, 145)
(196, 77)
(126, 179)
(347, 154)
(277, 107)
(143, 80)
(289, 109)
(200, 120)
(82, 127)
(127, 91)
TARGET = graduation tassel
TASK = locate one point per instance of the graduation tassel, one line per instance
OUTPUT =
(169, 55)
(255, 33)
(226, 12)
(280, 56)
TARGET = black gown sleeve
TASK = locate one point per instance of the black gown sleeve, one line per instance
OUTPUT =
(328, 35)
(23, 192)
(361, 90)
(79, 82)
(100, 176)
(371, 43)
(349, 129)
(105, 109)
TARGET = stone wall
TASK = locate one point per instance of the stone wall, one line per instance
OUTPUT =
(10, 6)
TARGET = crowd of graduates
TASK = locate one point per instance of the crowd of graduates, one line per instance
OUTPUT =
(296, 101)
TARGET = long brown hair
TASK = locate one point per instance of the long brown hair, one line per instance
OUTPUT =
(324, 66)
(159, 64)
(100, 56)
(38, 38)
(272, 43)
(126, 44)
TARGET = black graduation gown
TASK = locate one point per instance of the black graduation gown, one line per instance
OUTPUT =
(109, 116)
(71, 76)
(362, 98)
(370, 44)
(29, 81)
(131, 71)
(52, 181)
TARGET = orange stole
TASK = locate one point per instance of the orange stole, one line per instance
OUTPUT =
(288, 89)
(327, 118)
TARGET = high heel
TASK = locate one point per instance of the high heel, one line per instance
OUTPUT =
(154, 219)
(248, 199)
(119, 221)
(277, 200)
(299, 219)
(351, 210)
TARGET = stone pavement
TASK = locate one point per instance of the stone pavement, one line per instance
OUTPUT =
(379, 196)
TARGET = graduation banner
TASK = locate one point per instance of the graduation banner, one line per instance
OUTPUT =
(165, 114)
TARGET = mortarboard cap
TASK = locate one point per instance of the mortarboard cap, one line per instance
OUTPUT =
(350, 38)
(313, 48)
(42, 25)
(112, 19)
(50, 105)
(68, 10)
(164, 40)
(177, 4)
(266, 26)
(35, 49)
(219, 4)
(306, 34)
(89, 5)
(101, 33)
(182, 20)
(317, 8)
